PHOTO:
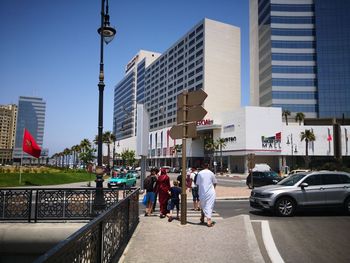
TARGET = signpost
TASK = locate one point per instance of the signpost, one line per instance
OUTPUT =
(189, 111)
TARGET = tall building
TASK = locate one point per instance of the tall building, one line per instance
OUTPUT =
(300, 56)
(8, 119)
(207, 57)
(31, 116)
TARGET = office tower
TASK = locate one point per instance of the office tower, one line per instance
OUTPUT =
(207, 57)
(31, 116)
(8, 119)
(300, 56)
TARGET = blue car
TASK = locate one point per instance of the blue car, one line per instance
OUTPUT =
(123, 179)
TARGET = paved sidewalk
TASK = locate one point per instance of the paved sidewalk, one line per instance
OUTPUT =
(157, 240)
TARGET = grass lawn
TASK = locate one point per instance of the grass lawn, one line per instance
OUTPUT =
(44, 178)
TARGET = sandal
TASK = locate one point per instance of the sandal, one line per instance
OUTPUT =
(212, 224)
(202, 221)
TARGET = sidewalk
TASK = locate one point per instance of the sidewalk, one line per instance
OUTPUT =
(157, 240)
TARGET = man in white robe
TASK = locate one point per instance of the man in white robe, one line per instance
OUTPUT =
(206, 182)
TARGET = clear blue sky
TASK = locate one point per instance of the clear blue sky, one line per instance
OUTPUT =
(50, 49)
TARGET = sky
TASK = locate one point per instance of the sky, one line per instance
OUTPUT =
(51, 49)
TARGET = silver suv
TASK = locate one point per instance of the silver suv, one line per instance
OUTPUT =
(312, 189)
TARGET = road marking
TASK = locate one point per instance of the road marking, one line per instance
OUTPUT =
(269, 243)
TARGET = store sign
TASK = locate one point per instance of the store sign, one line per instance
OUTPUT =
(230, 139)
(272, 142)
(205, 122)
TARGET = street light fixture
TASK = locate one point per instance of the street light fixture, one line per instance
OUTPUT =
(293, 148)
(107, 34)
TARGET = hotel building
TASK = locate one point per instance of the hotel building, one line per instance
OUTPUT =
(8, 119)
(31, 116)
(300, 56)
(207, 57)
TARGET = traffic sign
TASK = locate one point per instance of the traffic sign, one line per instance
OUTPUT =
(194, 113)
(192, 98)
(176, 132)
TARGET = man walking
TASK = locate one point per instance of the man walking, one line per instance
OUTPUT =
(206, 182)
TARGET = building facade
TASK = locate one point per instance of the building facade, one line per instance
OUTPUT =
(207, 57)
(31, 116)
(8, 120)
(299, 56)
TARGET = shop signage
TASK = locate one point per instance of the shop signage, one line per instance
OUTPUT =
(229, 128)
(230, 139)
(272, 142)
(205, 122)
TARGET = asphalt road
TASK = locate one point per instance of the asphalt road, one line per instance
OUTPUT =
(317, 236)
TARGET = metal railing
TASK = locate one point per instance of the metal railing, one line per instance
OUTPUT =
(101, 240)
(36, 204)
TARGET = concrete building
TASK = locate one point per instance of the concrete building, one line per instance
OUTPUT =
(300, 56)
(8, 120)
(31, 116)
(207, 57)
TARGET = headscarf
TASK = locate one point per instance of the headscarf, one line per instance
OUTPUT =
(163, 171)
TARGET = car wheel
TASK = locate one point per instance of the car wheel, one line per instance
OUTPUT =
(347, 206)
(285, 206)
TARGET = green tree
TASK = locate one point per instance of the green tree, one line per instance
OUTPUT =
(285, 114)
(299, 117)
(113, 140)
(221, 144)
(128, 157)
(106, 138)
(210, 146)
(75, 150)
(84, 145)
(308, 136)
(66, 153)
(87, 156)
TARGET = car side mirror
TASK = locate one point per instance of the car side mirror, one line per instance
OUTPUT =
(303, 185)
(274, 181)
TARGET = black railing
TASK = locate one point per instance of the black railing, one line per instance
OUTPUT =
(103, 239)
(34, 204)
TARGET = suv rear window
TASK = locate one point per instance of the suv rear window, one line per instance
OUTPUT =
(331, 179)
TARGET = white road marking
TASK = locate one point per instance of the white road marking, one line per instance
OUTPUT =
(269, 243)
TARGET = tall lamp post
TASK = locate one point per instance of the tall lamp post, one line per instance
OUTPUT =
(107, 34)
(293, 148)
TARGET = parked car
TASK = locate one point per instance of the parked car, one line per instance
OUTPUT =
(134, 173)
(123, 179)
(297, 171)
(304, 190)
(262, 178)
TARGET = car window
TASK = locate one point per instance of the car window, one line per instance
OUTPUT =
(314, 179)
(257, 174)
(271, 174)
(345, 179)
(331, 179)
(292, 179)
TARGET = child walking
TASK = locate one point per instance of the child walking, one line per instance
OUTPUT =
(174, 200)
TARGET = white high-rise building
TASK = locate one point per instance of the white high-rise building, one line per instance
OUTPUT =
(207, 57)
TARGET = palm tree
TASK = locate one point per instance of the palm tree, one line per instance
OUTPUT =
(75, 150)
(210, 146)
(221, 143)
(85, 144)
(285, 114)
(106, 138)
(308, 136)
(66, 153)
(113, 139)
(299, 117)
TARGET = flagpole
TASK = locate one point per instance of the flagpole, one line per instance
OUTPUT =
(20, 165)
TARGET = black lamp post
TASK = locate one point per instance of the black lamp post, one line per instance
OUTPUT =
(107, 34)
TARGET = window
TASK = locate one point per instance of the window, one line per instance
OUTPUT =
(344, 179)
(314, 179)
(331, 179)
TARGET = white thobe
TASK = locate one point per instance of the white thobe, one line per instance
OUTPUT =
(205, 181)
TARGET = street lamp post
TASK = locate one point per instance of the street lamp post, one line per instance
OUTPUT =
(293, 148)
(107, 34)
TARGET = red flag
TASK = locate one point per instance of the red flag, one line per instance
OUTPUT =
(29, 145)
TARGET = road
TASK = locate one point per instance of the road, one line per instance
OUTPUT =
(317, 236)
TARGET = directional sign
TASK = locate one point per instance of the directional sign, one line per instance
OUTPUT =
(176, 132)
(193, 114)
(192, 98)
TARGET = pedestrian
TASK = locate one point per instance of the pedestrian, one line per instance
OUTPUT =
(155, 194)
(194, 189)
(174, 200)
(149, 185)
(206, 182)
(163, 186)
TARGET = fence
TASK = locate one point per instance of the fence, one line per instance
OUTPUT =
(36, 204)
(103, 239)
